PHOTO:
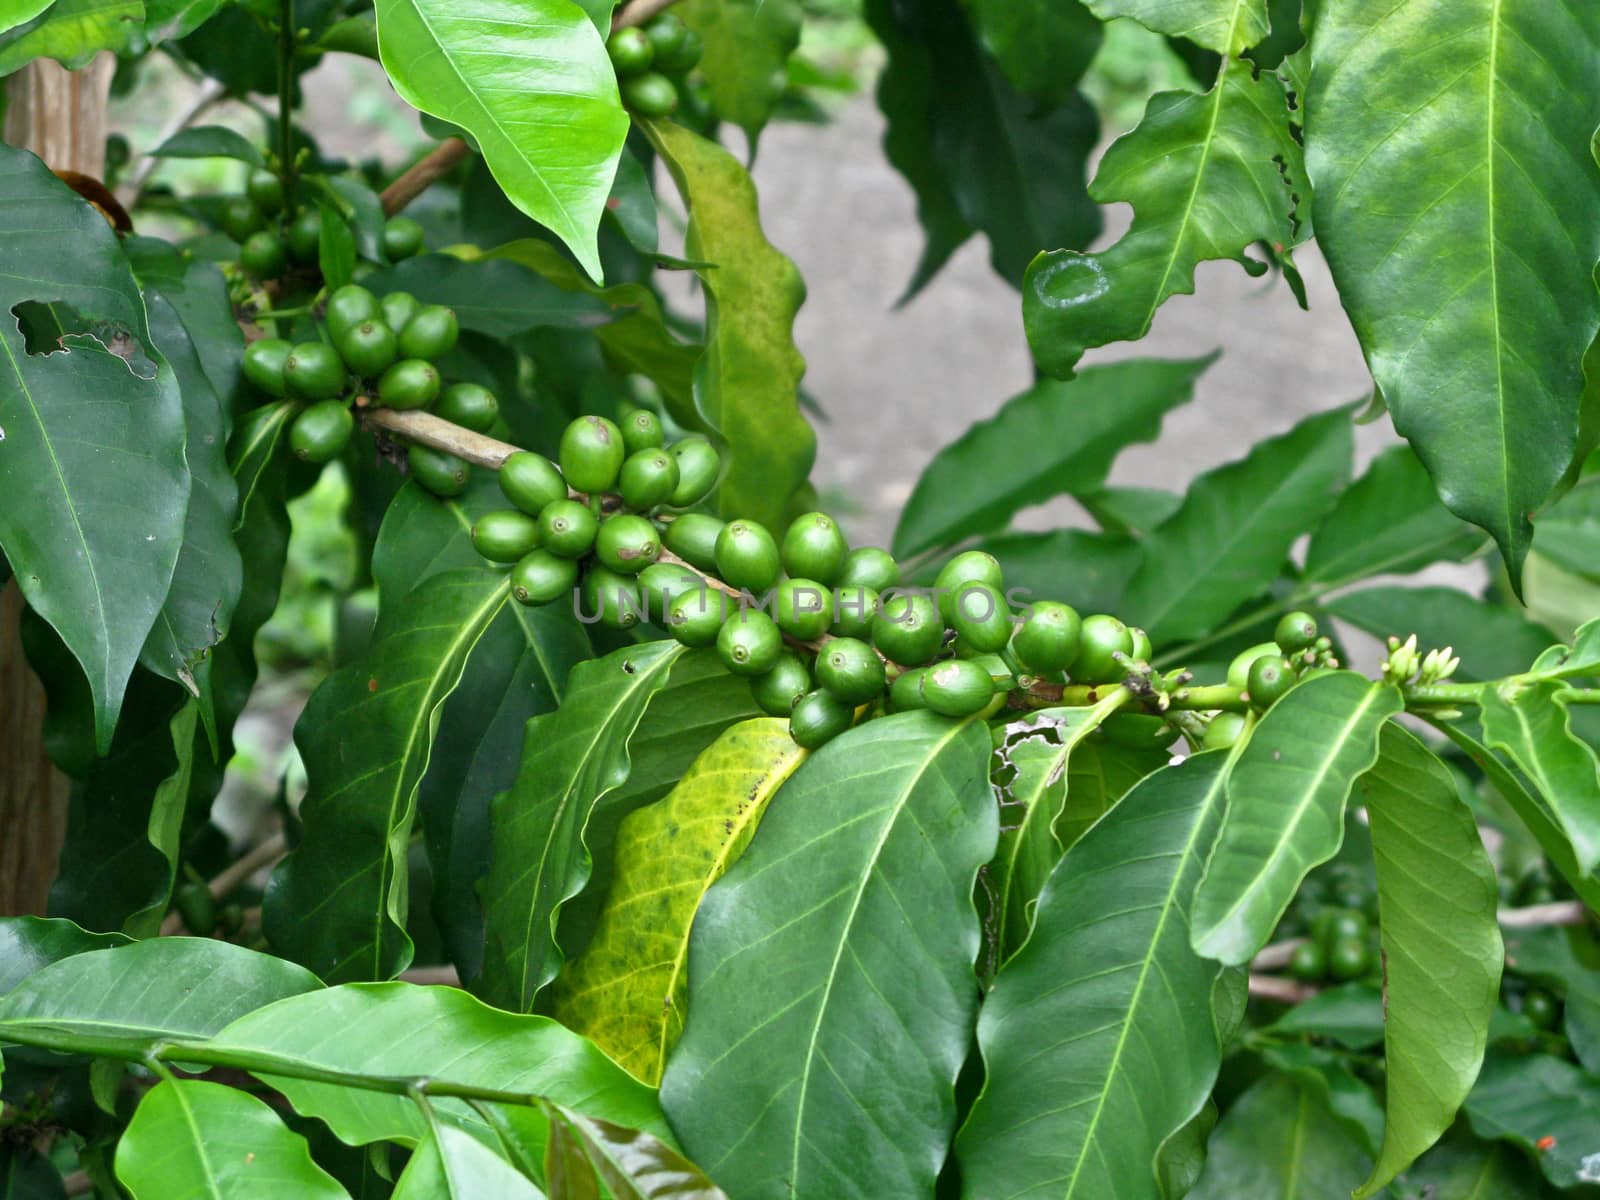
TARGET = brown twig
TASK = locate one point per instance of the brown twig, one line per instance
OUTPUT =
(422, 174)
(1562, 912)
(263, 855)
(430, 430)
(445, 976)
(1284, 991)
(639, 12)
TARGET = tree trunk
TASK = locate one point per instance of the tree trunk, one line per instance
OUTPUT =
(61, 116)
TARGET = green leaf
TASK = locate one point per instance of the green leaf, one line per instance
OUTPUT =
(209, 141)
(1442, 952)
(1286, 801)
(831, 971)
(1207, 175)
(189, 1138)
(1492, 641)
(1544, 1105)
(71, 32)
(93, 452)
(1388, 522)
(359, 206)
(571, 760)
(1351, 1015)
(1532, 724)
(1568, 532)
(165, 20)
(1087, 570)
(1279, 1142)
(1050, 440)
(489, 295)
(452, 1165)
(1098, 775)
(130, 997)
(984, 157)
(336, 247)
(29, 944)
(626, 991)
(746, 55)
(1548, 956)
(399, 1029)
(198, 291)
(26, 1174)
(1233, 534)
(19, 12)
(1132, 511)
(1460, 215)
(1129, 1048)
(1225, 26)
(510, 72)
(1042, 46)
(747, 384)
(1461, 1166)
(1328, 1074)
(636, 1166)
(338, 903)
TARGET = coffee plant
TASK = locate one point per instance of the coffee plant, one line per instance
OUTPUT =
(645, 838)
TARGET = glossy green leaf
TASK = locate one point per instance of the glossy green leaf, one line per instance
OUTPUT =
(489, 295)
(1226, 26)
(636, 1166)
(1132, 511)
(831, 971)
(1532, 724)
(194, 1139)
(1207, 175)
(1328, 1074)
(746, 55)
(84, 431)
(1098, 775)
(338, 903)
(1098, 1039)
(1350, 1015)
(209, 141)
(131, 997)
(19, 12)
(1050, 440)
(71, 32)
(1232, 536)
(530, 80)
(1087, 570)
(1286, 802)
(26, 1174)
(1388, 522)
(1546, 1106)
(986, 157)
(29, 944)
(1548, 955)
(1043, 46)
(1568, 533)
(571, 760)
(1460, 214)
(452, 1165)
(747, 383)
(1442, 952)
(165, 20)
(1279, 1142)
(1464, 1168)
(626, 991)
(196, 288)
(336, 247)
(1492, 641)
(438, 1033)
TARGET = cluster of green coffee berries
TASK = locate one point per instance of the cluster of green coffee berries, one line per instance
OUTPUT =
(270, 242)
(1265, 671)
(382, 349)
(1340, 947)
(651, 62)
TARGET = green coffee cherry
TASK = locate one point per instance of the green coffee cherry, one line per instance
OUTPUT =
(870, 567)
(1142, 650)
(266, 189)
(314, 371)
(973, 566)
(613, 597)
(1101, 638)
(1541, 1008)
(197, 907)
(1239, 668)
(627, 544)
(981, 618)
(814, 548)
(1048, 638)
(410, 383)
(321, 431)
(854, 607)
(305, 236)
(1223, 731)
(693, 538)
(699, 464)
(665, 34)
(430, 334)
(531, 481)
(1270, 676)
(957, 688)
(1296, 631)
(650, 94)
(630, 51)
(905, 694)
(749, 643)
(907, 628)
(695, 618)
(541, 577)
(817, 718)
(398, 309)
(567, 528)
(851, 670)
(641, 430)
(661, 583)
(230, 919)
(648, 478)
(591, 454)
(1308, 963)
(402, 238)
(368, 349)
(684, 58)
(747, 557)
(777, 691)
(442, 474)
(348, 307)
(263, 256)
(263, 364)
(505, 535)
(1348, 959)
(804, 609)
(1137, 731)
(1337, 922)
(240, 218)
(470, 406)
